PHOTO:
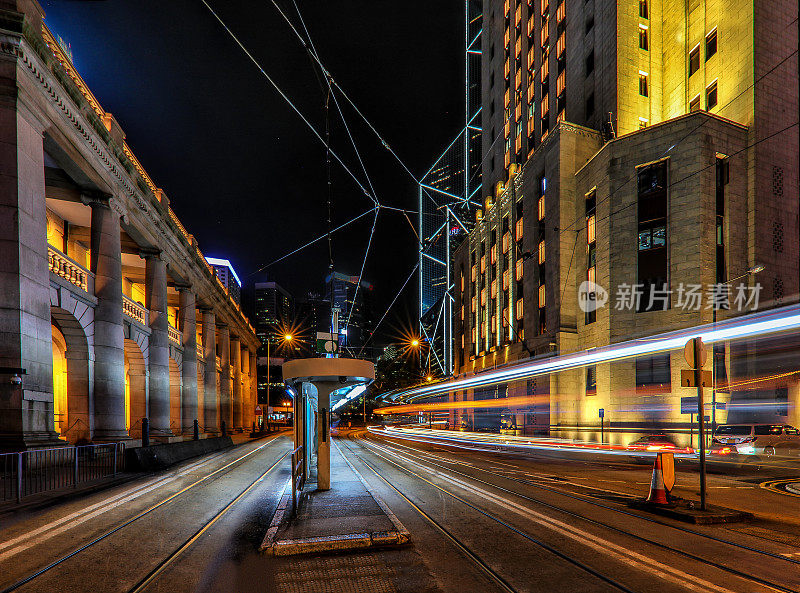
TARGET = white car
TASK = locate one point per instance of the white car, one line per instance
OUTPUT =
(757, 439)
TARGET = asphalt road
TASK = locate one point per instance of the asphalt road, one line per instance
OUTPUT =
(480, 521)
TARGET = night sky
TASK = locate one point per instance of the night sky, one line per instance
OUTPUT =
(242, 171)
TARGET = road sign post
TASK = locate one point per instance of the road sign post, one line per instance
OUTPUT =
(601, 412)
(699, 359)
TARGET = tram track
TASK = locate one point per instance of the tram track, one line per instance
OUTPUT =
(143, 583)
(626, 533)
(590, 499)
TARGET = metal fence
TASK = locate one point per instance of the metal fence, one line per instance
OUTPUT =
(40, 470)
(298, 476)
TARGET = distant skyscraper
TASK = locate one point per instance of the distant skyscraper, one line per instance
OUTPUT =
(274, 308)
(227, 275)
(355, 315)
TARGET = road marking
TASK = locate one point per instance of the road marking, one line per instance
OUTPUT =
(775, 486)
(624, 555)
(46, 532)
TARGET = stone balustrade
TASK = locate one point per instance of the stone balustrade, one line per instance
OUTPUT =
(70, 270)
(174, 335)
(135, 311)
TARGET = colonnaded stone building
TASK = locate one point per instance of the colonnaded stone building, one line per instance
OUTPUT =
(647, 144)
(109, 313)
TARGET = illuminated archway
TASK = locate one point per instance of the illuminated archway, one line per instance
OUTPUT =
(135, 388)
(174, 397)
(60, 400)
(71, 384)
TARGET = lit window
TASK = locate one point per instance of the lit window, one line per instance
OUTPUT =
(483, 297)
(590, 275)
(643, 83)
(494, 254)
(711, 96)
(518, 309)
(643, 9)
(541, 252)
(494, 289)
(483, 264)
(505, 317)
(506, 242)
(472, 272)
(474, 303)
(542, 296)
(462, 312)
(541, 208)
(694, 60)
(643, 44)
(518, 270)
(505, 280)
(694, 104)
(711, 44)
(519, 228)
(590, 229)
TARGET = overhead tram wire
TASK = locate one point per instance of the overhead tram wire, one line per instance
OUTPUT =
(312, 50)
(361, 273)
(288, 100)
(335, 85)
(316, 240)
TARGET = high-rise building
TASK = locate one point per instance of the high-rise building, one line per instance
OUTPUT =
(641, 145)
(273, 314)
(449, 193)
(228, 277)
(352, 301)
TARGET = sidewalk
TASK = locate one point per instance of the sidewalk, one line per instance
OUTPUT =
(349, 516)
(51, 497)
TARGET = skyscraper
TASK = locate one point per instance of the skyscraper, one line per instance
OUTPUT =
(228, 277)
(641, 144)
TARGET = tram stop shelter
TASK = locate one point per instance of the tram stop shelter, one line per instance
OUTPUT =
(317, 385)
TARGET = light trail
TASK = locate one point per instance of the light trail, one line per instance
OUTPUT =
(748, 326)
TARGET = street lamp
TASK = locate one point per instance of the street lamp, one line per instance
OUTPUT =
(287, 337)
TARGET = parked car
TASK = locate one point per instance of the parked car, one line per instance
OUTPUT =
(654, 443)
(766, 440)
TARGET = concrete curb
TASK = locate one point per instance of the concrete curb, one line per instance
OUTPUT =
(333, 543)
(712, 515)
(403, 533)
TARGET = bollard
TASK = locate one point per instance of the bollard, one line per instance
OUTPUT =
(254, 426)
(224, 429)
(145, 432)
(196, 435)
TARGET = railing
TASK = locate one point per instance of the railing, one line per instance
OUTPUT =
(298, 476)
(174, 335)
(69, 270)
(134, 310)
(40, 470)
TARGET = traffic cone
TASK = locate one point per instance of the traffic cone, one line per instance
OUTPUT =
(658, 493)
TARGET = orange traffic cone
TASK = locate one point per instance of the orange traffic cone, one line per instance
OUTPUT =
(658, 493)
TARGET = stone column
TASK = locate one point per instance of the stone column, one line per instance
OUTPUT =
(247, 401)
(156, 303)
(236, 396)
(226, 411)
(210, 387)
(26, 408)
(188, 324)
(254, 385)
(109, 339)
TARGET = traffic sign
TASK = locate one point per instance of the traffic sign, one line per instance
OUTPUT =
(688, 378)
(668, 470)
(601, 412)
(689, 405)
(688, 354)
(259, 411)
(327, 343)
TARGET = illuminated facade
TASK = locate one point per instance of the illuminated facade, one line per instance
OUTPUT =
(110, 312)
(640, 143)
